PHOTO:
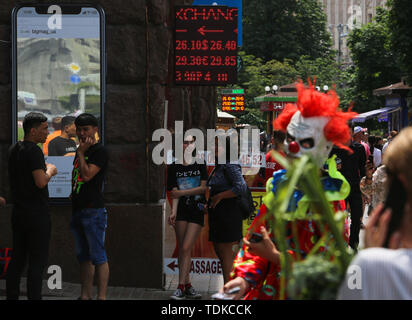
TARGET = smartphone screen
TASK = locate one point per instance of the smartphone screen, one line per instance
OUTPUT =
(58, 70)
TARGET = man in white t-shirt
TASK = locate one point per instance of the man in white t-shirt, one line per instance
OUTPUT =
(376, 272)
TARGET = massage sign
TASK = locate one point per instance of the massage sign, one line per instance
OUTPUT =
(205, 45)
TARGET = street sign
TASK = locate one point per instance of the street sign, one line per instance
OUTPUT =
(205, 45)
(74, 78)
(232, 100)
(229, 3)
(204, 266)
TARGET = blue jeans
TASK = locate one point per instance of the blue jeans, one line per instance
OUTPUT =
(89, 230)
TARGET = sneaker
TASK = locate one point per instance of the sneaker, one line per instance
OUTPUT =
(178, 295)
(191, 293)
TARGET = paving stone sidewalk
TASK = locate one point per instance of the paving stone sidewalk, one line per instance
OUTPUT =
(205, 284)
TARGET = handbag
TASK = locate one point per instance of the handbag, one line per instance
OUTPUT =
(5, 257)
(246, 204)
(244, 200)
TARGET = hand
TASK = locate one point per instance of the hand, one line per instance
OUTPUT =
(265, 248)
(215, 200)
(85, 144)
(51, 169)
(176, 194)
(377, 227)
(172, 219)
(2, 202)
(238, 282)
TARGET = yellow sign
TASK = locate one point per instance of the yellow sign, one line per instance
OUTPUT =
(257, 201)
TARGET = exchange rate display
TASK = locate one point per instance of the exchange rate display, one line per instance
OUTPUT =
(232, 100)
(205, 49)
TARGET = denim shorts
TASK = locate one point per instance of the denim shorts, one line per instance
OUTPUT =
(89, 230)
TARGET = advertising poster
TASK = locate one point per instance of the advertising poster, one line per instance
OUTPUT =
(60, 185)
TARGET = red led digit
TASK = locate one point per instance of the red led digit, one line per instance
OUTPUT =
(205, 45)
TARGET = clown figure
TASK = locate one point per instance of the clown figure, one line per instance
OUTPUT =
(312, 127)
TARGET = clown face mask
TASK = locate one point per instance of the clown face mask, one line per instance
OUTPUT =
(305, 136)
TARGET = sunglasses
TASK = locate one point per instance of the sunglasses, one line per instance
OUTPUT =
(188, 142)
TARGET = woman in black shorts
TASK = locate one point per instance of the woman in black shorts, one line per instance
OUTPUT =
(187, 183)
(225, 220)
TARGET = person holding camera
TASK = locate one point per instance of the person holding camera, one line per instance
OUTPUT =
(187, 185)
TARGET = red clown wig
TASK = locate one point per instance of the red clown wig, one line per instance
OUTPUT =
(312, 103)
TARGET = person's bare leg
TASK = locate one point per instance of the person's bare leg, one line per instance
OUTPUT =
(102, 274)
(191, 235)
(226, 256)
(181, 227)
(86, 278)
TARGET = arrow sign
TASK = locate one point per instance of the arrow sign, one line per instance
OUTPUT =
(205, 36)
(172, 265)
(203, 31)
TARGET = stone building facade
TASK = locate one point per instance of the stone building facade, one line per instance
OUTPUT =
(139, 41)
(350, 14)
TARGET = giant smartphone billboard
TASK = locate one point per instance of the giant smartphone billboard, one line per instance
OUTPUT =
(59, 70)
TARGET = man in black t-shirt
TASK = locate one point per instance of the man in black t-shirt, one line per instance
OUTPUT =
(29, 176)
(64, 145)
(89, 220)
(353, 169)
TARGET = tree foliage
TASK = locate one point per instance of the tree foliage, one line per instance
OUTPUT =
(376, 62)
(279, 29)
(400, 24)
(256, 74)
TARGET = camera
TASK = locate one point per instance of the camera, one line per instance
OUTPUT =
(195, 204)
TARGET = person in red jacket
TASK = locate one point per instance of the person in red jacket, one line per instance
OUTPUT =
(312, 127)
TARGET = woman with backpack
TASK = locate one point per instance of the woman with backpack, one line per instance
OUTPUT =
(225, 218)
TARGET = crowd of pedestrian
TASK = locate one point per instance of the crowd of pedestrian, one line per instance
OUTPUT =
(368, 163)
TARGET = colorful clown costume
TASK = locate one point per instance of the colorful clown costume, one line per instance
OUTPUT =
(262, 275)
(313, 126)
